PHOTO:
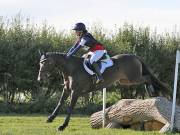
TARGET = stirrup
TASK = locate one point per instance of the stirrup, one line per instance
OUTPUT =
(99, 80)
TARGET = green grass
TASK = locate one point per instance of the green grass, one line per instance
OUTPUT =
(36, 125)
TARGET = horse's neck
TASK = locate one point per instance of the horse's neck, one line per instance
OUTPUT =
(70, 65)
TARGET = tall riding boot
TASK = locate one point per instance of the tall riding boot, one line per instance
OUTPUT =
(98, 73)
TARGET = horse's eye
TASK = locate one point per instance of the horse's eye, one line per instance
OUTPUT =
(49, 62)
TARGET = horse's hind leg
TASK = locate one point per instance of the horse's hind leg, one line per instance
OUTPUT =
(149, 89)
(148, 85)
(64, 96)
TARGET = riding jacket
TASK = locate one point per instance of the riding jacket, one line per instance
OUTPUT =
(88, 42)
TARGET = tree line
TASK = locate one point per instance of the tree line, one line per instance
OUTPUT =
(19, 63)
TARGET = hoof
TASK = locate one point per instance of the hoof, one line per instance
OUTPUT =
(61, 128)
(49, 120)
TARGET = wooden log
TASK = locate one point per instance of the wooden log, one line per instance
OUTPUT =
(148, 114)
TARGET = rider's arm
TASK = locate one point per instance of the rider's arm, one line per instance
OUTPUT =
(75, 48)
(71, 49)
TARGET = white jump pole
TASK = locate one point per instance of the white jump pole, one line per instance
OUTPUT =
(104, 107)
(175, 89)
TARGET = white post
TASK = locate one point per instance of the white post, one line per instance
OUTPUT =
(175, 89)
(104, 107)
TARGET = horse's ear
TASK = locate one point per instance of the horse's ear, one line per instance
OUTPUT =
(40, 53)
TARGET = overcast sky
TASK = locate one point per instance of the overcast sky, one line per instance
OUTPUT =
(163, 15)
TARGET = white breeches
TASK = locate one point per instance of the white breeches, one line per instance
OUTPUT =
(95, 56)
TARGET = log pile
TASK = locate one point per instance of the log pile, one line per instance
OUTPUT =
(149, 114)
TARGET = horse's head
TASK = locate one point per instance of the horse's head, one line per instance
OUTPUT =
(47, 65)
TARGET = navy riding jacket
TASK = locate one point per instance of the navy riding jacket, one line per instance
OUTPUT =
(88, 42)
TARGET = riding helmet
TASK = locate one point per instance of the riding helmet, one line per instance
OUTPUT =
(79, 27)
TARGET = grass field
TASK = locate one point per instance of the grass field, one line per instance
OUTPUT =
(36, 125)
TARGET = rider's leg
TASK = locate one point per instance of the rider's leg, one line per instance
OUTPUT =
(105, 64)
(98, 73)
(94, 58)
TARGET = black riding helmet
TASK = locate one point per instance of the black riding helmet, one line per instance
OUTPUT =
(79, 27)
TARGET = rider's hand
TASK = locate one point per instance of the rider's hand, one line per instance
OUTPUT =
(68, 56)
(85, 56)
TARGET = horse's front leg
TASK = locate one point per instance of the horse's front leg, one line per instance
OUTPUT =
(73, 101)
(64, 96)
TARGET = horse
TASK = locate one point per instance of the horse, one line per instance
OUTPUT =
(127, 70)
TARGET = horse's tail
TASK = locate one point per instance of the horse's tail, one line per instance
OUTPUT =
(159, 86)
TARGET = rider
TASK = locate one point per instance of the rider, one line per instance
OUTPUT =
(86, 40)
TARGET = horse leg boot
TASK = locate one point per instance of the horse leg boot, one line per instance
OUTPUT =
(64, 96)
(98, 73)
(73, 101)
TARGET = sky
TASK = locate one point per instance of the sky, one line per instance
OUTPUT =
(162, 15)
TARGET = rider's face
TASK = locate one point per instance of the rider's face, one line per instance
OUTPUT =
(78, 33)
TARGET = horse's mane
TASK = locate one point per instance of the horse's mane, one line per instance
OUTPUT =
(74, 58)
(60, 53)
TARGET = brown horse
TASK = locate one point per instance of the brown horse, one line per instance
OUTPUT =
(127, 70)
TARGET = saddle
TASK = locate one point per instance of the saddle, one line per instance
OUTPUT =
(104, 62)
